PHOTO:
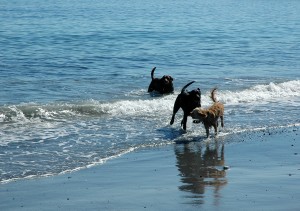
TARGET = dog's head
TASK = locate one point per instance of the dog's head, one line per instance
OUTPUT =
(195, 96)
(167, 80)
(199, 114)
(202, 114)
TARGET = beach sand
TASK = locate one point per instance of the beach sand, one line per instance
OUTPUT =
(248, 171)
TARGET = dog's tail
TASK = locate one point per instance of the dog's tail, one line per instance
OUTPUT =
(152, 72)
(183, 89)
(213, 94)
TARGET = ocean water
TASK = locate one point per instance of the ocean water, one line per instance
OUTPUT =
(74, 75)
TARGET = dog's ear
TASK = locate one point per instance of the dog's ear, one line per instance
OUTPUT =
(203, 113)
(168, 77)
(195, 112)
(211, 113)
(166, 80)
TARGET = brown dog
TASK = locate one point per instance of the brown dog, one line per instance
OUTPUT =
(162, 85)
(210, 116)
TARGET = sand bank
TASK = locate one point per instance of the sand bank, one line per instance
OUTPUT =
(250, 171)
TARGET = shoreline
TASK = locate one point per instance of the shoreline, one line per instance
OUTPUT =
(258, 170)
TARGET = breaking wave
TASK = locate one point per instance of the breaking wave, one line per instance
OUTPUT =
(263, 93)
(257, 94)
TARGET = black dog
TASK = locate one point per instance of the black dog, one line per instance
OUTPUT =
(163, 85)
(187, 101)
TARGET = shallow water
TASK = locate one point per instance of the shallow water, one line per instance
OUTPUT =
(74, 75)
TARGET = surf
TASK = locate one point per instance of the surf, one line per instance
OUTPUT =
(263, 93)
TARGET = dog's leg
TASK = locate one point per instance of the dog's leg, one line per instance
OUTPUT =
(173, 116)
(184, 120)
(215, 127)
(151, 87)
(175, 109)
(222, 121)
(206, 129)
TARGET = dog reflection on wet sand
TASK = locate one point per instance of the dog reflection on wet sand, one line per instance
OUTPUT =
(210, 116)
(201, 167)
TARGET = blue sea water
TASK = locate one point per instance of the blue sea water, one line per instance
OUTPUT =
(74, 75)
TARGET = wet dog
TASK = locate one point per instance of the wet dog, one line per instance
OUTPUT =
(163, 85)
(210, 116)
(187, 101)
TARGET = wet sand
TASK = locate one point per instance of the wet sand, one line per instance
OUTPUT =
(248, 171)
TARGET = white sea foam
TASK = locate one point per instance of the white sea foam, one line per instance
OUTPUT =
(96, 162)
(272, 92)
(262, 93)
(140, 107)
(42, 121)
(258, 94)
